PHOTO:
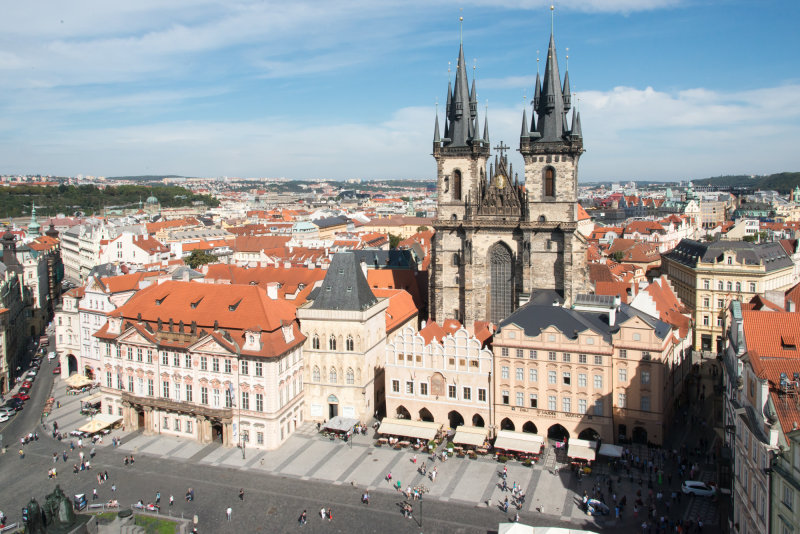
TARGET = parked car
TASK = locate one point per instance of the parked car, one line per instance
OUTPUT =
(32, 372)
(27, 384)
(696, 487)
(4, 418)
(57, 370)
(14, 403)
(7, 411)
(22, 396)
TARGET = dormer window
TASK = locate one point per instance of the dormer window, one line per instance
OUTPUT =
(232, 307)
(788, 342)
(730, 260)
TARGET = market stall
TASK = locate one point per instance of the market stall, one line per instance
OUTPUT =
(520, 442)
(422, 430)
(581, 449)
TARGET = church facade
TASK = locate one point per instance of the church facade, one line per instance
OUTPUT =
(499, 241)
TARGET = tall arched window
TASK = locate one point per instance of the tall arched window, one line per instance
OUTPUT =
(549, 182)
(349, 343)
(332, 376)
(456, 185)
(315, 374)
(332, 342)
(315, 342)
(350, 376)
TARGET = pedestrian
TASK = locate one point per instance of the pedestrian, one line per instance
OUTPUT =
(94, 494)
(330, 514)
(414, 459)
(92, 452)
(113, 487)
(131, 459)
(322, 513)
(228, 512)
(21, 454)
(171, 500)
(158, 497)
(55, 457)
(64, 455)
(241, 494)
(303, 518)
(126, 460)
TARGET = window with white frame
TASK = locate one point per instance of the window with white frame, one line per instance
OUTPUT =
(533, 399)
(551, 377)
(520, 373)
(581, 405)
(645, 376)
(533, 375)
(505, 397)
(481, 395)
(165, 389)
(467, 393)
(409, 387)
(621, 400)
(551, 403)
(395, 386)
(423, 388)
(520, 398)
(598, 381)
(582, 380)
(645, 403)
(350, 376)
(451, 391)
(623, 375)
(504, 371)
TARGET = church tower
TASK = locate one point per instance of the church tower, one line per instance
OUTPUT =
(497, 241)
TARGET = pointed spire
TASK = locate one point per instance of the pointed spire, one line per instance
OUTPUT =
(576, 124)
(566, 91)
(551, 103)
(460, 119)
(537, 91)
(436, 137)
(486, 127)
(477, 128)
(525, 132)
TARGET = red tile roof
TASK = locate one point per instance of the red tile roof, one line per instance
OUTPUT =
(401, 307)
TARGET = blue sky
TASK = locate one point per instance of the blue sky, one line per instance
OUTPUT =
(668, 89)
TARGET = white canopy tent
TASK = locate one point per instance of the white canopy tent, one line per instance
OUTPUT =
(581, 449)
(410, 429)
(519, 441)
(470, 435)
(607, 449)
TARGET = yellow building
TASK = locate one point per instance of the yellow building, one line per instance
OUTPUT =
(707, 276)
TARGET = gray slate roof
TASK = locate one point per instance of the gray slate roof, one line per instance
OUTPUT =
(383, 259)
(328, 222)
(690, 252)
(344, 287)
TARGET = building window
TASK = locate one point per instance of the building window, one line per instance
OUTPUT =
(598, 359)
(549, 182)
(244, 367)
(706, 284)
(719, 321)
(520, 353)
(645, 403)
(738, 287)
(332, 376)
(505, 397)
(245, 400)
(752, 287)
(177, 425)
(567, 378)
(533, 375)
(481, 394)
(423, 388)
(598, 407)
(228, 398)
(349, 343)
(176, 391)
(187, 361)
(228, 368)
(504, 371)
(150, 389)
(259, 402)
(551, 377)
(720, 303)
(164, 358)
(350, 377)
(504, 352)
(705, 320)
(315, 342)
(215, 365)
(451, 392)
(551, 356)
(395, 386)
(467, 393)
(581, 405)
(130, 384)
(646, 356)
(582, 380)
(260, 369)
(720, 286)
(623, 375)
(165, 425)
(260, 438)
(532, 354)
(788, 497)
(332, 343)
(566, 357)
(533, 398)
(176, 359)
(729, 286)
(130, 353)
(215, 398)
(706, 302)
(582, 358)
(520, 373)
(139, 354)
(188, 393)
(551, 403)
(520, 398)
(598, 381)
(165, 389)
(203, 363)
(621, 398)
(645, 375)
(203, 395)
(409, 387)
(730, 260)
(566, 404)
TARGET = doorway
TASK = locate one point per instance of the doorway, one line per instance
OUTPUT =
(333, 406)
(140, 418)
(216, 432)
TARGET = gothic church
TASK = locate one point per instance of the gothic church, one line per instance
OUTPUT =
(499, 242)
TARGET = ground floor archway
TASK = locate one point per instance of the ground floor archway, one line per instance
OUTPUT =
(558, 433)
(455, 419)
(507, 424)
(589, 434)
(217, 433)
(72, 364)
(402, 413)
(477, 420)
(426, 415)
(639, 435)
(529, 427)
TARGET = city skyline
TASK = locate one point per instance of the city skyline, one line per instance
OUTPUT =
(668, 89)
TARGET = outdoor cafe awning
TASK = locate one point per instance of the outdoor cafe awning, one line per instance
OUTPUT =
(470, 435)
(410, 429)
(77, 381)
(581, 449)
(93, 398)
(519, 441)
(100, 422)
(340, 424)
(607, 449)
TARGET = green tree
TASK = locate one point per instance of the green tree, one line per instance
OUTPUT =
(617, 256)
(198, 258)
(394, 240)
(422, 228)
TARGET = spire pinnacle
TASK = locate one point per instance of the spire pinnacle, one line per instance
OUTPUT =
(461, 29)
(436, 137)
(486, 123)
(552, 18)
(525, 132)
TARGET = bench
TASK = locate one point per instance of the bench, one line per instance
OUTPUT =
(8, 528)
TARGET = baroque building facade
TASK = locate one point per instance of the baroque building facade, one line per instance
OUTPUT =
(497, 240)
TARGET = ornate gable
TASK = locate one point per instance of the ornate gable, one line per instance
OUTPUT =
(501, 196)
(133, 336)
(211, 345)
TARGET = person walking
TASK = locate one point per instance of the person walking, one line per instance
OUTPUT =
(241, 494)
(303, 519)
(171, 500)
(94, 494)
(113, 487)
(330, 514)
(228, 512)
(158, 497)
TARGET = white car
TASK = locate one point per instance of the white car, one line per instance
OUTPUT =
(7, 413)
(696, 487)
(32, 372)
(4, 418)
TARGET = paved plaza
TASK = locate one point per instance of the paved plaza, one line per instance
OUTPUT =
(310, 470)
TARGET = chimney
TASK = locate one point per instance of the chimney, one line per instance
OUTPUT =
(612, 313)
(272, 290)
